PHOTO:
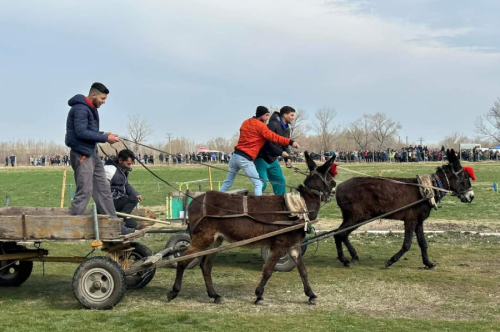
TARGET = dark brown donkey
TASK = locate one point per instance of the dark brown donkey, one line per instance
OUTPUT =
(362, 198)
(209, 232)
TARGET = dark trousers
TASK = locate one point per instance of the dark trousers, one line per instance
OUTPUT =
(126, 204)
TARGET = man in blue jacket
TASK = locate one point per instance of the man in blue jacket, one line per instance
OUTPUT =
(82, 136)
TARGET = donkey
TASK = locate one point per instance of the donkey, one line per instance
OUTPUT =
(210, 223)
(362, 198)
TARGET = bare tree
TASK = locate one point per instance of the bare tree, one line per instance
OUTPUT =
(361, 132)
(384, 129)
(324, 126)
(488, 125)
(138, 129)
(220, 144)
(298, 127)
(454, 140)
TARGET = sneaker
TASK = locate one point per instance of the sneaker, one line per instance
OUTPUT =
(126, 230)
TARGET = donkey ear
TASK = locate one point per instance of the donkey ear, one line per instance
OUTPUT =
(456, 159)
(323, 169)
(450, 155)
(310, 163)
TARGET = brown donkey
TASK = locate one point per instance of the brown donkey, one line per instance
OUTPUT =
(362, 198)
(209, 232)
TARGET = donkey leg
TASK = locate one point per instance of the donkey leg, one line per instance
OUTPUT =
(295, 254)
(206, 268)
(423, 245)
(267, 272)
(350, 248)
(181, 266)
(409, 229)
(340, 252)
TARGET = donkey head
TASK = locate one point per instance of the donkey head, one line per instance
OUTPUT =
(457, 180)
(320, 180)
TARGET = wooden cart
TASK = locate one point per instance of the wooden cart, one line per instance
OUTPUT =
(99, 282)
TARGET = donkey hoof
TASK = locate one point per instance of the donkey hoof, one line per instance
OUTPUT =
(313, 301)
(347, 264)
(260, 302)
(171, 296)
(388, 263)
(219, 300)
(355, 261)
(431, 266)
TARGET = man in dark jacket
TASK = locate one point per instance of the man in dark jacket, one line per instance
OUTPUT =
(125, 197)
(267, 163)
(82, 136)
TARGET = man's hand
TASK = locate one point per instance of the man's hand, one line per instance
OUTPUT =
(107, 133)
(113, 138)
(296, 145)
(289, 163)
(139, 198)
(284, 154)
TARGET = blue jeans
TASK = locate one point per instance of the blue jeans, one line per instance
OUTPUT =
(236, 163)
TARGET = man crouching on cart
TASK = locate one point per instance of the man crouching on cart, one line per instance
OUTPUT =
(125, 197)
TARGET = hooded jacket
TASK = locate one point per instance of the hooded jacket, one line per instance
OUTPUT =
(271, 151)
(118, 180)
(82, 126)
(253, 135)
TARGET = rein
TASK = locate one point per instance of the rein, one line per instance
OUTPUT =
(205, 204)
(206, 165)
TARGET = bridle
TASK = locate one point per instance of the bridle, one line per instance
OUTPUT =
(326, 182)
(454, 192)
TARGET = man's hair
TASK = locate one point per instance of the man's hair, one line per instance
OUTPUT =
(125, 154)
(99, 87)
(286, 109)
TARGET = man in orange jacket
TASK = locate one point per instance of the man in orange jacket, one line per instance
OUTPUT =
(253, 135)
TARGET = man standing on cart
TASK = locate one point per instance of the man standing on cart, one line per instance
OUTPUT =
(82, 136)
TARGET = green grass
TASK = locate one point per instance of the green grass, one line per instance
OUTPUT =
(42, 186)
(463, 294)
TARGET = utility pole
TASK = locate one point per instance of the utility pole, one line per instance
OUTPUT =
(169, 137)
(421, 140)
(406, 140)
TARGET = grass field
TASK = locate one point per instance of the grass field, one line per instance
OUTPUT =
(463, 294)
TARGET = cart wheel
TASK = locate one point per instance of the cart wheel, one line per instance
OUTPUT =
(177, 241)
(286, 263)
(14, 273)
(99, 283)
(140, 279)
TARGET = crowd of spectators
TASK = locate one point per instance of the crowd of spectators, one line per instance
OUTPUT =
(478, 154)
(405, 154)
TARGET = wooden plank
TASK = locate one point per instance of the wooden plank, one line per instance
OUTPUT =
(34, 211)
(51, 227)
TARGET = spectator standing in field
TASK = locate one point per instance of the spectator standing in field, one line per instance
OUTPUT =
(267, 163)
(12, 160)
(253, 135)
(82, 136)
(6, 161)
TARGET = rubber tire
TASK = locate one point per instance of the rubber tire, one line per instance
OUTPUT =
(143, 278)
(171, 243)
(116, 272)
(22, 270)
(286, 263)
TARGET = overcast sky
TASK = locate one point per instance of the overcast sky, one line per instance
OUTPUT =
(199, 68)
